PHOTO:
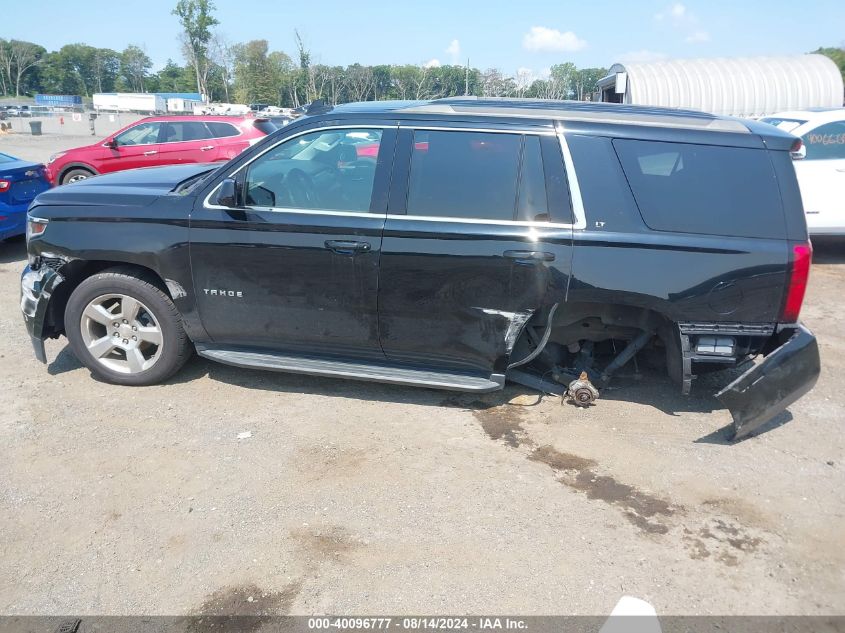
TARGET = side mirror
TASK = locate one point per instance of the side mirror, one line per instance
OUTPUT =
(111, 143)
(228, 194)
(800, 153)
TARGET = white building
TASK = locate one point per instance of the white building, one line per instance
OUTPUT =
(732, 86)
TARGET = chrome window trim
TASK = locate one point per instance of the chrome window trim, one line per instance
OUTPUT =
(521, 131)
(574, 187)
(528, 223)
(571, 176)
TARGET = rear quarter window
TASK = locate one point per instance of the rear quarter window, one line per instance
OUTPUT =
(707, 189)
(222, 130)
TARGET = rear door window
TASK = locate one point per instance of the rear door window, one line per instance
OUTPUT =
(181, 131)
(707, 189)
(464, 175)
(220, 129)
(478, 175)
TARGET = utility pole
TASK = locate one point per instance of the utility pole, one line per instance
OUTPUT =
(466, 80)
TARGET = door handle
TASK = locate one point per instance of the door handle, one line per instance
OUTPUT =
(529, 257)
(840, 169)
(150, 153)
(206, 148)
(344, 247)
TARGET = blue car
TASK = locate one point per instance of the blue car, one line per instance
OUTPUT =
(20, 182)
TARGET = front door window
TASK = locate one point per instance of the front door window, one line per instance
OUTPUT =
(324, 170)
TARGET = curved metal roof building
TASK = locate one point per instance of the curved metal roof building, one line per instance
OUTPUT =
(732, 86)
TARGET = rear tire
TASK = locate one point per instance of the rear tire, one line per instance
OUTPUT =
(126, 329)
(75, 175)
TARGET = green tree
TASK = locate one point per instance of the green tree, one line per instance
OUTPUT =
(196, 19)
(174, 78)
(18, 59)
(135, 67)
(255, 79)
(836, 54)
(584, 83)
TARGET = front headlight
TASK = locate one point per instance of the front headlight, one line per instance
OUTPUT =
(55, 156)
(35, 227)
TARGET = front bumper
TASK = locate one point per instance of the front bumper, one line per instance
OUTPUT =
(787, 373)
(37, 287)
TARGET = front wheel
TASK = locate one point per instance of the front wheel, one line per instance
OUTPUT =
(126, 330)
(75, 175)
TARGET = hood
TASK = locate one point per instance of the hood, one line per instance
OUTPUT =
(133, 187)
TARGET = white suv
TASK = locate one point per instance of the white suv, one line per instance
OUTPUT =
(819, 165)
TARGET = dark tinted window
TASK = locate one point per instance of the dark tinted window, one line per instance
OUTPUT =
(608, 202)
(703, 188)
(464, 175)
(826, 141)
(266, 126)
(532, 205)
(221, 130)
(179, 131)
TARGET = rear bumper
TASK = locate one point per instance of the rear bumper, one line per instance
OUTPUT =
(787, 373)
(37, 287)
(12, 221)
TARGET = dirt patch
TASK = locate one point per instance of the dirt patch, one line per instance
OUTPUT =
(333, 462)
(502, 423)
(722, 539)
(327, 542)
(242, 608)
(640, 508)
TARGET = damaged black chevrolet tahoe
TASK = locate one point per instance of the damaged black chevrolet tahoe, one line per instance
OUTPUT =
(452, 244)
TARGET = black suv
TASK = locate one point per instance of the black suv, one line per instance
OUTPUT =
(452, 244)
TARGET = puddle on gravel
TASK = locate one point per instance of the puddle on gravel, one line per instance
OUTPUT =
(640, 508)
(242, 608)
(501, 423)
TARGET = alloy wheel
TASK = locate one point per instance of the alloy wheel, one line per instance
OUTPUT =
(121, 333)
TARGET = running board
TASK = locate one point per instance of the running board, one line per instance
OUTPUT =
(355, 370)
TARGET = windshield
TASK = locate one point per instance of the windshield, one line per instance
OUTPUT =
(787, 125)
(5, 158)
(187, 186)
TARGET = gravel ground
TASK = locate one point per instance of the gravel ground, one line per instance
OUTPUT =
(349, 497)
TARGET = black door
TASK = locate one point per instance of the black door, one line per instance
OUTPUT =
(477, 242)
(295, 267)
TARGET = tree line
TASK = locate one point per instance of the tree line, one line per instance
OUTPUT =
(249, 72)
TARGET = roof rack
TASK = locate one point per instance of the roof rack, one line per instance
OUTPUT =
(579, 111)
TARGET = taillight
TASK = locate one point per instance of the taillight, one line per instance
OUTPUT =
(799, 273)
(4, 185)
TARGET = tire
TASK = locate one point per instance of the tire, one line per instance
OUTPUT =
(126, 329)
(75, 174)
